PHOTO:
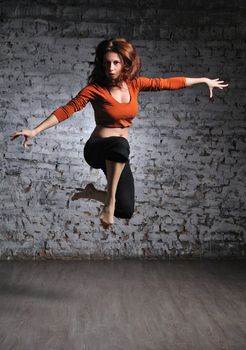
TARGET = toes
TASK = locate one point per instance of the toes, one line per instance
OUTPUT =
(105, 225)
(106, 221)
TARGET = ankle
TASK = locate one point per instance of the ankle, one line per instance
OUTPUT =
(110, 200)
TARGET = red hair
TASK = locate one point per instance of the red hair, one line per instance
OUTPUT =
(128, 55)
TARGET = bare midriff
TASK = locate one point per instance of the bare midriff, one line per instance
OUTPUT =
(102, 131)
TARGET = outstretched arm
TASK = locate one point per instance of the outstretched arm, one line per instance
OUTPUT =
(59, 115)
(30, 133)
(174, 83)
(212, 83)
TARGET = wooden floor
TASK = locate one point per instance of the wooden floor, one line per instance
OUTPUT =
(124, 304)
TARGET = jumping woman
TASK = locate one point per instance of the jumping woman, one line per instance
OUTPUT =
(113, 89)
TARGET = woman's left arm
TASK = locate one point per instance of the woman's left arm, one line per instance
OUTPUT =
(212, 83)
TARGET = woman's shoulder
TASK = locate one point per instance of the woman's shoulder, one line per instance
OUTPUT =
(135, 81)
(138, 81)
(92, 89)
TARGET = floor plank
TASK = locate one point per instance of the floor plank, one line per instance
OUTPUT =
(123, 304)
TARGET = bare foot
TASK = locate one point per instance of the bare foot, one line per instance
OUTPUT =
(107, 215)
(87, 192)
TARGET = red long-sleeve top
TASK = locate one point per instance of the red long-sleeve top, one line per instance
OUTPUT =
(109, 112)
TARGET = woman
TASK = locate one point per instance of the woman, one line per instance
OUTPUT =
(112, 89)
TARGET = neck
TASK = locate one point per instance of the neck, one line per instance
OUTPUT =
(117, 82)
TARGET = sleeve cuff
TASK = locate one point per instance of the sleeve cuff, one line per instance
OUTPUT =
(60, 115)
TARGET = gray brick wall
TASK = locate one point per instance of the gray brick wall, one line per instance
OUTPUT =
(187, 153)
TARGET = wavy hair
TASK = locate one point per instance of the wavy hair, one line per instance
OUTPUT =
(128, 55)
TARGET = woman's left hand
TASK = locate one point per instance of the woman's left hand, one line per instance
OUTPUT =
(215, 83)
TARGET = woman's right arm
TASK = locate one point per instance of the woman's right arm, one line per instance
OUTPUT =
(30, 133)
(60, 114)
(46, 124)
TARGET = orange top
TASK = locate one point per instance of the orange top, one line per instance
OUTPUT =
(109, 112)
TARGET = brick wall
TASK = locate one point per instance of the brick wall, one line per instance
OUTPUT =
(187, 152)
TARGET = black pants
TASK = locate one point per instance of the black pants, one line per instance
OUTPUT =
(116, 149)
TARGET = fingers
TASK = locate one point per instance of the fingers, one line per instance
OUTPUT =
(210, 92)
(24, 133)
(216, 83)
(219, 83)
(16, 134)
(21, 133)
(14, 137)
(222, 86)
(25, 143)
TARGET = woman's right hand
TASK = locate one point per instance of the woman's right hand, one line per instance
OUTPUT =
(27, 133)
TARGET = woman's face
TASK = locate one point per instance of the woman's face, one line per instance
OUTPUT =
(113, 65)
